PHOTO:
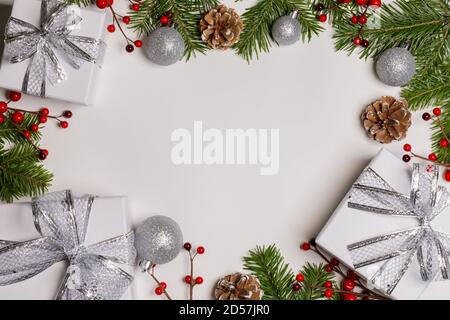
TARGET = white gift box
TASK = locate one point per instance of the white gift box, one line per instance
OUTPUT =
(347, 226)
(80, 85)
(108, 219)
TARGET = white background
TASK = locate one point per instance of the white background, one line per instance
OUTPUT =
(121, 146)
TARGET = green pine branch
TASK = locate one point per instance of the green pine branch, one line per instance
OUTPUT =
(315, 277)
(256, 36)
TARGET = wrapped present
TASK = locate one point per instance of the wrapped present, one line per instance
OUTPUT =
(393, 228)
(65, 247)
(53, 50)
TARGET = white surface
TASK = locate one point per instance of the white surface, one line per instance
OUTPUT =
(121, 146)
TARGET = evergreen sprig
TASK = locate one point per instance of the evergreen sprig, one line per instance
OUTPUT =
(256, 36)
(315, 277)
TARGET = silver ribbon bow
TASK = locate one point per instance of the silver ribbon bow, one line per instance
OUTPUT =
(24, 41)
(62, 221)
(397, 250)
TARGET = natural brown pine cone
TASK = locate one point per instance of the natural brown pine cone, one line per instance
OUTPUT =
(387, 119)
(238, 286)
(221, 27)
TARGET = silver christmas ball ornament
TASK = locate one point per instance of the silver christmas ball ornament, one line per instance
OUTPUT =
(164, 46)
(396, 66)
(158, 240)
(286, 30)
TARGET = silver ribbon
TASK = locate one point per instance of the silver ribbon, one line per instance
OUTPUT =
(430, 248)
(24, 41)
(62, 221)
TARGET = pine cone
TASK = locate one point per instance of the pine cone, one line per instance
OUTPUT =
(238, 286)
(221, 27)
(387, 119)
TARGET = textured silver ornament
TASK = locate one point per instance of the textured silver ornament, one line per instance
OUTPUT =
(286, 30)
(396, 66)
(158, 240)
(164, 46)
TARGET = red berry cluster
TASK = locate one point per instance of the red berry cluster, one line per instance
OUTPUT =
(443, 143)
(118, 19)
(190, 279)
(16, 117)
(358, 12)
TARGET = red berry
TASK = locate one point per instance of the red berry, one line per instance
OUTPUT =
(44, 151)
(296, 287)
(348, 284)
(200, 250)
(319, 7)
(43, 154)
(26, 134)
(188, 279)
(443, 143)
(138, 43)
(17, 117)
(64, 124)
(426, 116)
(322, 17)
(187, 246)
(406, 158)
(102, 4)
(447, 175)
(329, 268)
(328, 293)
(306, 246)
(129, 48)
(2, 118)
(357, 41)
(3, 107)
(164, 20)
(375, 3)
(15, 96)
(407, 147)
(135, 7)
(354, 19)
(67, 114)
(42, 119)
(361, 2)
(300, 277)
(44, 112)
(437, 111)
(349, 296)
(159, 291)
(328, 284)
(199, 280)
(163, 285)
(111, 28)
(432, 157)
(365, 43)
(34, 127)
(126, 19)
(334, 262)
(362, 19)
(352, 275)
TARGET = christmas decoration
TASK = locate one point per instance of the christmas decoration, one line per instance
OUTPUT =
(221, 27)
(396, 67)
(238, 286)
(95, 272)
(158, 240)
(286, 29)
(387, 119)
(164, 46)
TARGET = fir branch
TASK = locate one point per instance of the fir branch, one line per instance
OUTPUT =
(12, 133)
(21, 173)
(441, 131)
(313, 285)
(80, 3)
(275, 276)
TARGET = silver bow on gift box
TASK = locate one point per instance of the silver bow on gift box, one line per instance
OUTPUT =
(24, 41)
(430, 248)
(62, 221)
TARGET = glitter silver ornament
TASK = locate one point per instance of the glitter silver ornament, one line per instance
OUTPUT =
(286, 29)
(164, 46)
(158, 240)
(396, 66)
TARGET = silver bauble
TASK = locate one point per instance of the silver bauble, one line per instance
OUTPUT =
(164, 46)
(396, 66)
(158, 240)
(286, 30)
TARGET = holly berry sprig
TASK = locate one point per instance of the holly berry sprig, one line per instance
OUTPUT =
(443, 143)
(118, 20)
(358, 13)
(190, 279)
(350, 288)
(16, 117)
